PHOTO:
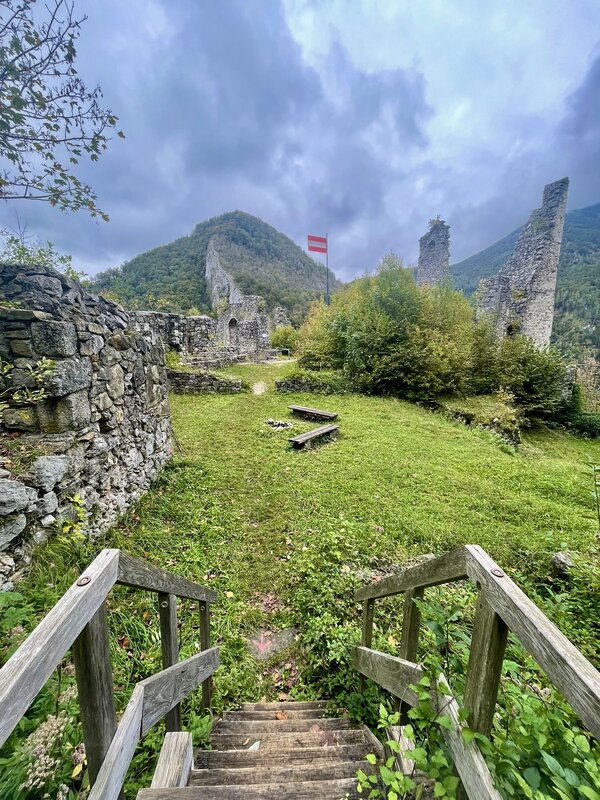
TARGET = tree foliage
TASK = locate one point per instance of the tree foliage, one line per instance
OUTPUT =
(390, 336)
(49, 119)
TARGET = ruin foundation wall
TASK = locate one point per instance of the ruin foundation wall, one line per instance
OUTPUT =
(101, 431)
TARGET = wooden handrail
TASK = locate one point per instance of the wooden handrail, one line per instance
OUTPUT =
(78, 620)
(396, 675)
(501, 606)
(150, 701)
(444, 569)
(564, 664)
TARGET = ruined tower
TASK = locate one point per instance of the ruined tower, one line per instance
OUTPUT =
(434, 254)
(521, 296)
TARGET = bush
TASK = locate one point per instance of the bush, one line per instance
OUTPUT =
(535, 378)
(285, 337)
(389, 336)
(323, 382)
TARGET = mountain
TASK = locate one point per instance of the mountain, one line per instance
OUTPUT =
(261, 260)
(577, 317)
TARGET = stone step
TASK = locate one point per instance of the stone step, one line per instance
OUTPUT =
(299, 705)
(316, 770)
(220, 759)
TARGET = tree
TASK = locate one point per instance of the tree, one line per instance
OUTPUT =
(49, 119)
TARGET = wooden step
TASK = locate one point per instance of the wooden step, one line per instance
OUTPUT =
(288, 705)
(320, 770)
(309, 790)
(289, 713)
(255, 727)
(219, 759)
(276, 741)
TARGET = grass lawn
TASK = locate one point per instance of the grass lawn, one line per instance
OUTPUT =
(280, 533)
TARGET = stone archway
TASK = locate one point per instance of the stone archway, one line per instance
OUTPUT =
(232, 328)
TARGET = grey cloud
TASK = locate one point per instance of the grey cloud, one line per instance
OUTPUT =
(221, 111)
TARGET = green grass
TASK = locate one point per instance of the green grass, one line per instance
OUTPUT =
(243, 512)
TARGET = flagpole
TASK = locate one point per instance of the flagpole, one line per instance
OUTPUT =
(327, 267)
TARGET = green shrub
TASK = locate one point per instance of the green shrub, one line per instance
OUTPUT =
(390, 336)
(535, 378)
(285, 337)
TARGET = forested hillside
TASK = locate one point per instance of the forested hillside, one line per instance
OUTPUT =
(577, 321)
(261, 259)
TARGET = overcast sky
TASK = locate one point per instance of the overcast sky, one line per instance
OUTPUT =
(363, 118)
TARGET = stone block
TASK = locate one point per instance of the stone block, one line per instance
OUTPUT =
(54, 339)
(68, 413)
(115, 385)
(92, 346)
(20, 419)
(47, 471)
(10, 529)
(15, 496)
(47, 504)
(21, 347)
(68, 376)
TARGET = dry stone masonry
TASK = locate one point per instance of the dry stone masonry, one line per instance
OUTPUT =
(200, 382)
(434, 254)
(240, 332)
(101, 432)
(521, 296)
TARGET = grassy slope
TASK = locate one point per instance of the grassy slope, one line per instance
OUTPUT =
(243, 512)
(398, 482)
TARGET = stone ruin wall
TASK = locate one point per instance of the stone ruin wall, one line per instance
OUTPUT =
(521, 296)
(102, 429)
(433, 266)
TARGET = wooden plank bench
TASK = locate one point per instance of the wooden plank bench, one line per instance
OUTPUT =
(312, 413)
(303, 438)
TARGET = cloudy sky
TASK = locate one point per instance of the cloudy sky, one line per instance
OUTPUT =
(363, 118)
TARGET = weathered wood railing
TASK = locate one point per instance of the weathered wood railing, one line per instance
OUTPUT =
(501, 606)
(79, 620)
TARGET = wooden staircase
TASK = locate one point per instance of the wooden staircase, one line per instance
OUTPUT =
(270, 750)
(283, 750)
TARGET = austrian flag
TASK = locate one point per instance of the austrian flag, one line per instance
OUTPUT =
(318, 244)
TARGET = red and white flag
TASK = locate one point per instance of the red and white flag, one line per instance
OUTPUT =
(317, 244)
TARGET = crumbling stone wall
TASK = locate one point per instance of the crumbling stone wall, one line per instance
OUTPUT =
(102, 429)
(434, 254)
(201, 382)
(244, 327)
(521, 296)
(222, 289)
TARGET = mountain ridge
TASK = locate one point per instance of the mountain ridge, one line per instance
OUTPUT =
(262, 261)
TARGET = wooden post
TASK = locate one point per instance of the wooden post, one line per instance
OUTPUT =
(367, 633)
(169, 645)
(91, 653)
(409, 642)
(205, 645)
(488, 642)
